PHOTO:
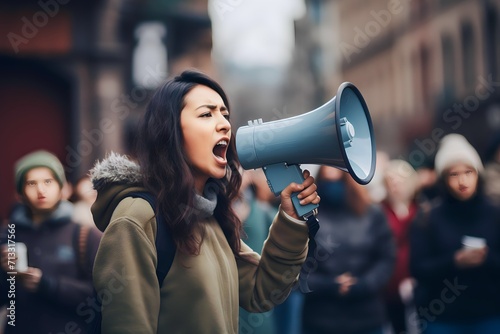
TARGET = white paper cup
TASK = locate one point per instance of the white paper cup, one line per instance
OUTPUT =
(473, 242)
(22, 257)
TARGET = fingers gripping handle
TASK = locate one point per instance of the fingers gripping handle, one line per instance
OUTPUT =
(279, 176)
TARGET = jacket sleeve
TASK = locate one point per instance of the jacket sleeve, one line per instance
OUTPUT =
(68, 291)
(125, 271)
(4, 288)
(4, 284)
(492, 262)
(267, 281)
(425, 262)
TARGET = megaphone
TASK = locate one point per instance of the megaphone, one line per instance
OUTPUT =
(337, 134)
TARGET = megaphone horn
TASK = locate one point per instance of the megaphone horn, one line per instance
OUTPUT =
(337, 134)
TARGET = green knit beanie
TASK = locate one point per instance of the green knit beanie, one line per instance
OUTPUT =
(38, 159)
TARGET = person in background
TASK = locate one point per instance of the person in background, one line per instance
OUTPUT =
(492, 171)
(57, 282)
(400, 206)
(376, 188)
(455, 249)
(255, 212)
(428, 186)
(83, 198)
(355, 258)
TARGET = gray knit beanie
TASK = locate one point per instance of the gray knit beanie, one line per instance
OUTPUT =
(38, 159)
(453, 149)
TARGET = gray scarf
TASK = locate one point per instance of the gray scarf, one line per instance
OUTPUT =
(206, 204)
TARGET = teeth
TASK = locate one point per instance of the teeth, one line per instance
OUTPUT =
(222, 142)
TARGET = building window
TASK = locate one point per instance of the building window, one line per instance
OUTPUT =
(425, 65)
(468, 52)
(492, 45)
(448, 69)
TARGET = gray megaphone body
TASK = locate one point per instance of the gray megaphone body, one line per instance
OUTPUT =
(338, 134)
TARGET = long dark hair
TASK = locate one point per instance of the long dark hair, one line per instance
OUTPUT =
(166, 170)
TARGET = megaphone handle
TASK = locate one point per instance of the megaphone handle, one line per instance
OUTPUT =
(302, 210)
(279, 176)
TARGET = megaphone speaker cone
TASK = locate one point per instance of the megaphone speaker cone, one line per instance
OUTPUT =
(359, 151)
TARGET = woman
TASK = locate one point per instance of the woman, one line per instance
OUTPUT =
(188, 161)
(455, 249)
(355, 257)
(400, 206)
(492, 170)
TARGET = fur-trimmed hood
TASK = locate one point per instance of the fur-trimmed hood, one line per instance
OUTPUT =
(115, 169)
(114, 178)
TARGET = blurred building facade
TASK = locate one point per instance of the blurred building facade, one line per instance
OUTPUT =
(69, 81)
(425, 67)
(77, 75)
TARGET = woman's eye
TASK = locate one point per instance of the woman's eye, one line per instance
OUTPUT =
(226, 116)
(206, 115)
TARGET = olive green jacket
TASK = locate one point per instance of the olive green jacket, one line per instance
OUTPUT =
(202, 293)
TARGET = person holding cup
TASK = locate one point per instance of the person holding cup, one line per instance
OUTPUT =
(46, 258)
(455, 248)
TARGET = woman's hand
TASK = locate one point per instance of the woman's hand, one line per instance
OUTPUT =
(31, 278)
(307, 194)
(470, 258)
(345, 281)
(4, 262)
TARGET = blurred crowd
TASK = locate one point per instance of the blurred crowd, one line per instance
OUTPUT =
(417, 250)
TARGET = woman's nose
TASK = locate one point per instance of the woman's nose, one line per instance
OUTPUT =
(223, 124)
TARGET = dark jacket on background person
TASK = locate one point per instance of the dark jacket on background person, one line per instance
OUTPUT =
(445, 292)
(201, 293)
(66, 282)
(361, 245)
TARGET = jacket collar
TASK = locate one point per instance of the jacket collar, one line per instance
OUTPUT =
(21, 215)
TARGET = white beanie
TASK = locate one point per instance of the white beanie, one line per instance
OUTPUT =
(453, 149)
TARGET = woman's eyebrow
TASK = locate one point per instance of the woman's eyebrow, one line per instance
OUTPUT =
(212, 107)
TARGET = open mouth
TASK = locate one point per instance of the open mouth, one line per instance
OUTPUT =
(220, 150)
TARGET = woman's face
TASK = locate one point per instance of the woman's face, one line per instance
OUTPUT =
(399, 188)
(462, 180)
(206, 132)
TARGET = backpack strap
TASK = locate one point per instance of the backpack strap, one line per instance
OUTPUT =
(165, 246)
(83, 242)
(80, 242)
